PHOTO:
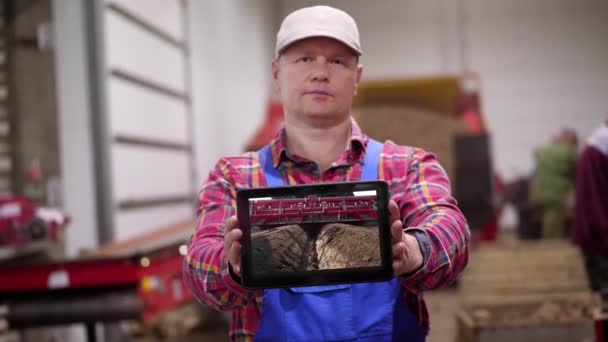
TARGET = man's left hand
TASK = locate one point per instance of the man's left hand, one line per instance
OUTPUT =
(407, 256)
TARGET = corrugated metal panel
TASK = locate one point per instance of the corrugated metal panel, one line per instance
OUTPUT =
(140, 112)
(165, 15)
(145, 55)
(141, 172)
(139, 221)
(148, 108)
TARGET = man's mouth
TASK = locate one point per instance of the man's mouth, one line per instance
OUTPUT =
(319, 92)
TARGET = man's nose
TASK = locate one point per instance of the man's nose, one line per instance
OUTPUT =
(320, 72)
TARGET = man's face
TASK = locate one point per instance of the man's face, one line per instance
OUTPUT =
(317, 79)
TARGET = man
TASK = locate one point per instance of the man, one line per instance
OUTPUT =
(590, 223)
(553, 181)
(316, 71)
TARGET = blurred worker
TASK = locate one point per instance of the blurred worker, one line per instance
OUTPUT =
(316, 71)
(590, 223)
(553, 182)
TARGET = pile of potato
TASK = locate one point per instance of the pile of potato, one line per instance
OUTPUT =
(413, 126)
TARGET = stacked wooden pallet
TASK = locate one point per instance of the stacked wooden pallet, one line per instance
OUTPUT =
(526, 291)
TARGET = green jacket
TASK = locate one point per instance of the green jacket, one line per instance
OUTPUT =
(554, 176)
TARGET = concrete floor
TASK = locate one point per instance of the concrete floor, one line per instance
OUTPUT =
(442, 305)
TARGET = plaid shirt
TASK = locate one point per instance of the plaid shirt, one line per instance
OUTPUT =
(417, 183)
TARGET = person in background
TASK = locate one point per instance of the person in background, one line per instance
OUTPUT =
(316, 71)
(590, 222)
(552, 183)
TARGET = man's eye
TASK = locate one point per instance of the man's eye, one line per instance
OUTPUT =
(305, 59)
(336, 61)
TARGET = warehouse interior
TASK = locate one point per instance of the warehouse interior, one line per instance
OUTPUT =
(113, 113)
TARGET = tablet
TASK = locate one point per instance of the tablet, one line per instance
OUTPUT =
(322, 234)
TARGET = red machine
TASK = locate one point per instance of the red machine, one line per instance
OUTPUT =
(131, 280)
(313, 210)
(21, 222)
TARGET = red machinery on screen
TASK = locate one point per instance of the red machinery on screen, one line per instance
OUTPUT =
(313, 209)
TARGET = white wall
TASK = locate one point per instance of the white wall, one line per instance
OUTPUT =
(543, 64)
(231, 49)
(400, 38)
(72, 75)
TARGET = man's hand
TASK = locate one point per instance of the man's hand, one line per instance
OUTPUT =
(407, 256)
(232, 244)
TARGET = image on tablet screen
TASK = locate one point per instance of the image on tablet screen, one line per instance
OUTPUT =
(314, 232)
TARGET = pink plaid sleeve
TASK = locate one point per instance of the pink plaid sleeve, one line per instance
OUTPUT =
(427, 206)
(206, 268)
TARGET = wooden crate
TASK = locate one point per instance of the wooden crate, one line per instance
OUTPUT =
(473, 329)
(526, 291)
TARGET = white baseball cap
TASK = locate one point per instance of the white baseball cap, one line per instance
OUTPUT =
(318, 21)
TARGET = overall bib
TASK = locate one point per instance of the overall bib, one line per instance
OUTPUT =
(347, 312)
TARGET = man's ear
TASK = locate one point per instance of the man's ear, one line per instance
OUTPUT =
(358, 77)
(275, 75)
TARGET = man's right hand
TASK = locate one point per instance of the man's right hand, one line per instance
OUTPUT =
(232, 244)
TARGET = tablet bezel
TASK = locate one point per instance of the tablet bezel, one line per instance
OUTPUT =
(319, 277)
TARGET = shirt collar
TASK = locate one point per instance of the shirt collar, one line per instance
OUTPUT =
(356, 151)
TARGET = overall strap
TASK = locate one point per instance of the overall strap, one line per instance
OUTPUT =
(273, 175)
(371, 160)
(369, 172)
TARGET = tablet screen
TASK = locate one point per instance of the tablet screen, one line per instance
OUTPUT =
(312, 234)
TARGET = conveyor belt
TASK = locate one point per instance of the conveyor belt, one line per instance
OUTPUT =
(67, 308)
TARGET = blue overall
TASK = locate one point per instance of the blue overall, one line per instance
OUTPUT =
(349, 312)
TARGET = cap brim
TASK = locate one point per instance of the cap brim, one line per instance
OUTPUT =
(297, 38)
